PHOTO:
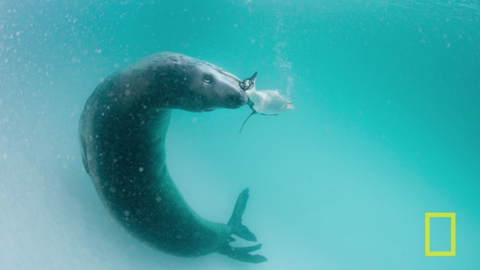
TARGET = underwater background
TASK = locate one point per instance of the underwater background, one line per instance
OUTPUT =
(386, 128)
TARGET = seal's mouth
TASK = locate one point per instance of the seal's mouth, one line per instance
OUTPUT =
(236, 100)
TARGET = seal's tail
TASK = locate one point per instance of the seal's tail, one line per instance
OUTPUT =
(235, 221)
(242, 253)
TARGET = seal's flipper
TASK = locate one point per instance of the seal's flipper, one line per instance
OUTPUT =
(235, 221)
(242, 253)
(244, 122)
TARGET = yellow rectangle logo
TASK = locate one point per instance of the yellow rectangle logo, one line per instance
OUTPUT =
(452, 251)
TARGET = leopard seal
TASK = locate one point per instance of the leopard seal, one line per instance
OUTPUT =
(122, 132)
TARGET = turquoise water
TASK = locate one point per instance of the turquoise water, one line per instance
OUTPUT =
(386, 128)
(440, 234)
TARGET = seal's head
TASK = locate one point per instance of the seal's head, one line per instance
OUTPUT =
(211, 87)
(176, 81)
(196, 85)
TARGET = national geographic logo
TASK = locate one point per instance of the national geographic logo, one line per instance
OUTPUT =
(451, 252)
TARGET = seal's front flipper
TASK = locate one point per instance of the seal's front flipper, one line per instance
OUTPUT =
(242, 253)
(235, 221)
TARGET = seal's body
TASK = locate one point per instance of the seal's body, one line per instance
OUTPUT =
(122, 132)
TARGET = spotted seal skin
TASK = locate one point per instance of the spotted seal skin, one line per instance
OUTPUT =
(122, 134)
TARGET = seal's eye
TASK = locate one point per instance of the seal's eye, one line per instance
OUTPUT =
(208, 78)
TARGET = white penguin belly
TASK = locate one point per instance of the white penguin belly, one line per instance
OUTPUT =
(269, 101)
